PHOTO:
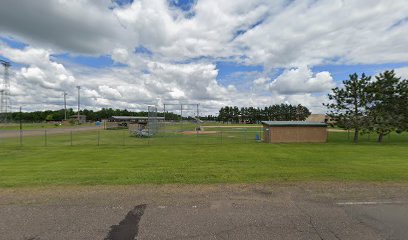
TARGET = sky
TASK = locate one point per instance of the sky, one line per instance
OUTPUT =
(129, 54)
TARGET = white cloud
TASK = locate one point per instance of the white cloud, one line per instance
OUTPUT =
(313, 102)
(402, 72)
(261, 81)
(109, 92)
(302, 80)
(315, 32)
(273, 34)
(28, 56)
(171, 83)
(80, 26)
(120, 55)
(41, 81)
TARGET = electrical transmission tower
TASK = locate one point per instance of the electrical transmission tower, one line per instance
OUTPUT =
(5, 105)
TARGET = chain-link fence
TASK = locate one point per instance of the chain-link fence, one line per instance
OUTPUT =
(170, 134)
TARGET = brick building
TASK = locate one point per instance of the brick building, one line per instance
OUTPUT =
(294, 131)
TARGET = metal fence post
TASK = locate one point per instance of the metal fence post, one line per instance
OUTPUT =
(45, 137)
(21, 137)
(196, 135)
(98, 137)
(21, 128)
(71, 138)
(221, 136)
(123, 138)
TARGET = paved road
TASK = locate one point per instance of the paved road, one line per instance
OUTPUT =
(268, 211)
(41, 132)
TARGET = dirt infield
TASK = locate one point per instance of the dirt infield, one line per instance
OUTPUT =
(198, 132)
(236, 126)
(336, 130)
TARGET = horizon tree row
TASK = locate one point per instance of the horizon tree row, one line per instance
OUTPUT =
(59, 115)
(277, 112)
(367, 105)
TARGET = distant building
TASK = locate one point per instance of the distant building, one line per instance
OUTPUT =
(319, 118)
(294, 132)
(82, 118)
(137, 122)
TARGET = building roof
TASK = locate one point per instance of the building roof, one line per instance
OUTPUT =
(293, 123)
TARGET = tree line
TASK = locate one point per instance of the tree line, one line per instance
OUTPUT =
(232, 114)
(104, 113)
(277, 112)
(367, 105)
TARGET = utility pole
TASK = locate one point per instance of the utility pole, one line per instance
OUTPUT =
(79, 101)
(21, 127)
(65, 106)
(1, 104)
(5, 92)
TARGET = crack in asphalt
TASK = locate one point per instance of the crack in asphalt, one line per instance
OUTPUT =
(314, 227)
(128, 228)
(33, 238)
(310, 221)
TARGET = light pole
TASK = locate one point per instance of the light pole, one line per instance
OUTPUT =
(65, 106)
(79, 102)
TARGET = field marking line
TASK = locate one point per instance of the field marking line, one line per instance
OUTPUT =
(370, 203)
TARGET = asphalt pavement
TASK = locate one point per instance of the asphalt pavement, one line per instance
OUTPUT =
(259, 211)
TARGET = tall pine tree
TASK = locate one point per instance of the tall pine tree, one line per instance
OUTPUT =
(384, 114)
(348, 105)
(402, 106)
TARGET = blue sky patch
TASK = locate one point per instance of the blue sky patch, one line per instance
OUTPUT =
(4, 59)
(232, 73)
(13, 65)
(123, 2)
(184, 5)
(94, 62)
(342, 72)
(13, 43)
(243, 31)
(144, 51)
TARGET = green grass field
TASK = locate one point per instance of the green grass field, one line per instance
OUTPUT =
(34, 126)
(229, 157)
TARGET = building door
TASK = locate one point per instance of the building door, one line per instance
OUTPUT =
(267, 134)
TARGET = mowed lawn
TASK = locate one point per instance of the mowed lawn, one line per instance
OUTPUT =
(249, 162)
(38, 126)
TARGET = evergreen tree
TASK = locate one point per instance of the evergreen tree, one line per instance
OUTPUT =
(384, 111)
(349, 103)
(402, 106)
